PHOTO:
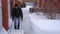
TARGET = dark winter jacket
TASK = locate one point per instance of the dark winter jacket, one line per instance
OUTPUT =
(17, 12)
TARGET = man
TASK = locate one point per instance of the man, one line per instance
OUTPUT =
(17, 15)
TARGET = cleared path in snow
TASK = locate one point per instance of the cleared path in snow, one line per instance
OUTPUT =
(25, 24)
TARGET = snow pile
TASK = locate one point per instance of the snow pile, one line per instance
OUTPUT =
(43, 25)
(46, 16)
(39, 15)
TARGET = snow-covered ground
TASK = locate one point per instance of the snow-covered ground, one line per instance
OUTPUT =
(25, 24)
(42, 25)
(36, 24)
(3, 31)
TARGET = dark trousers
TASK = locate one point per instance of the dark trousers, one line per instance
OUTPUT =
(16, 23)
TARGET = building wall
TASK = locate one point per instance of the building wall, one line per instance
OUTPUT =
(58, 3)
(0, 15)
(29, 0)
(11, 5)
(5, 14)
(20, 3)
(49, 3)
